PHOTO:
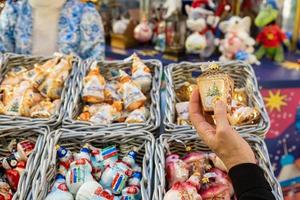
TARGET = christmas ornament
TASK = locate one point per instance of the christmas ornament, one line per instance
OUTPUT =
(139, 115)
(114, 177)
(176, 170)
(143, 31)
(213, 86)
(59, 190)
(141, 74)
(80, 171)
(182, 110)
(132, 96)
(93, 86)
(239, 94)
(242, 115)
(187, 189)
(184, 92)
(5, 190)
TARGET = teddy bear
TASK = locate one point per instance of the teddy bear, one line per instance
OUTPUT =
(237, 43)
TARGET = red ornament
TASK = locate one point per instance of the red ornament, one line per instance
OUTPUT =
(13, 177)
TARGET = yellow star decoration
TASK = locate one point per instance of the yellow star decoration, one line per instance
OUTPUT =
(205, 180)
(275, 101)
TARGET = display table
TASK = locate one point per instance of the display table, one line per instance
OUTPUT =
(269, 74)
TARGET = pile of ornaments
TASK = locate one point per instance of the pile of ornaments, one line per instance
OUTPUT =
(198, 176)
(95, 173)
(212, 85)
(13, 166)
(35, 92)
(122, 99)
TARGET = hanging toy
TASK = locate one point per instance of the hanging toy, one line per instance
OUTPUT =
(271, 38)
(115, 177)
(216, 184)
(139, 115)
(59, 190)
(132, 95)
(93, 86)
(24, 149)
(196, 162)
(80, 170)
(176, 170)
(141, 74)
(133, 191)
(93, 190)
(13, 175)
(64, 155)
(143, 31)
(101, 158)
(5, 190)
(104, 113)
(111, 92)
(188, 188)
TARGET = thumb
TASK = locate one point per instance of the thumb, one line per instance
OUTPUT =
(220, 112)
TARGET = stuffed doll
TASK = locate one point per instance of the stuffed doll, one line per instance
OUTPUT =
(271, 37)
(201, 40)
(237, 43)
(203, 18)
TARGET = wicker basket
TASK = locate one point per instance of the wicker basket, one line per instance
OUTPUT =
(178, 144)
(243, 75)
(124, 140)
(37, 134)
(75, 106)
(13, 60)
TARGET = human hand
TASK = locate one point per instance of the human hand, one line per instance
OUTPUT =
(229, 146)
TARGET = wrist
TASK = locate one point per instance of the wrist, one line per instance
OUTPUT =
(230, 165)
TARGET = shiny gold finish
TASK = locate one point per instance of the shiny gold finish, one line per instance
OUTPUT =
(185, 91)
(239, 94)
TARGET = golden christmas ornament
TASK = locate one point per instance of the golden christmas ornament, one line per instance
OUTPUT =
(184, 92)
(239, 94)
(214, 85)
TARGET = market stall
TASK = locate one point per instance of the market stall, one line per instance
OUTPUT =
(112, 115)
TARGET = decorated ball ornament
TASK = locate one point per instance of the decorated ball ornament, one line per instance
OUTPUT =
(143, 31)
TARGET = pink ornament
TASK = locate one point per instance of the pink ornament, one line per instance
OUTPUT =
(176, 169)
(196, 162)
(223, 178)
(216, 192)
(216, 184)
(143, 32)
(185, 190)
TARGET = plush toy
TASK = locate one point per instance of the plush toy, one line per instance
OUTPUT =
(237, 43)
(203, 18)
(201, 40)
(271, 36)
